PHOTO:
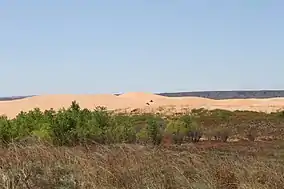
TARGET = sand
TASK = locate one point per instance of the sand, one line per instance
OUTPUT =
(137, 100)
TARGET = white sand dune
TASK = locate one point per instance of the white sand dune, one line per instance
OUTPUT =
(136, 100)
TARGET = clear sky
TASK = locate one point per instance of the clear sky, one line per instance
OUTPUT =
(113, 46)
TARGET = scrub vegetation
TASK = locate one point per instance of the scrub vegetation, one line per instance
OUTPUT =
(81, 148)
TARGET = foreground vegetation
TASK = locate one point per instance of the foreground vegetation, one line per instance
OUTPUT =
(79, 148)
(75, 126)
(254, 165)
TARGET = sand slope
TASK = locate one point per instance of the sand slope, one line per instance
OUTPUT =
(138, 100)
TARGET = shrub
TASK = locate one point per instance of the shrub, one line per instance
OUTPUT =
(195, 132)
(252, 134)
(186, 127)
(75, 125)
(6, 129)
(142, 136)
(194, 136)
(122, 129)
(154, 131)
(178, 129)
(63, 127)
(221, 134)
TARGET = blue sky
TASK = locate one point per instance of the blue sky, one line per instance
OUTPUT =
(116, 46)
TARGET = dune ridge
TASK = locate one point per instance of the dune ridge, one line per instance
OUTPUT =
(136, 100)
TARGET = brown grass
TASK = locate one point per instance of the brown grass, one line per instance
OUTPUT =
(205, 165)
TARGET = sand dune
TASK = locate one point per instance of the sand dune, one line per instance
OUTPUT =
(136, 100)
(142, 96)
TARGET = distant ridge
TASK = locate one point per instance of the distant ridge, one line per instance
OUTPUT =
(217, 95)
(14, 98)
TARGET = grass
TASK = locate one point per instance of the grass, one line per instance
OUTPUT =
(247, 165)
(77, 148)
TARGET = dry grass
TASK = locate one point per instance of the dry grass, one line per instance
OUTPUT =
(247, 165)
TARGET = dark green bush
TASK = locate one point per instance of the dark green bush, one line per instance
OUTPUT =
(154, 130)
(6, 130)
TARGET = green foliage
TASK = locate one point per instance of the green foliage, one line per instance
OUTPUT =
(184, 127)
(75, 125)
(121, 130)
(6, 130)
(142, 136)
(177, 126)
(153, 129)
(178, 129)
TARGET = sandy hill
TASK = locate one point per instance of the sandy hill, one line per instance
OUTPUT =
(136, 100)
(142, 96)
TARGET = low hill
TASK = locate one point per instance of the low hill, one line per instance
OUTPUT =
(220, 95)
(13, 98)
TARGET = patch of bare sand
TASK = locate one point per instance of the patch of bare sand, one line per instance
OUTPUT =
(143, 101)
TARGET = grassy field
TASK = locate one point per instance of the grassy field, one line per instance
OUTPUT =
(79, 148)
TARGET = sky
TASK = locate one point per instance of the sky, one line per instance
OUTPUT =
(111, 46)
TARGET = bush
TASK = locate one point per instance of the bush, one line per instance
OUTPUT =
(195, 132)
(178, 129)
(154, 130)
(221, 134)
(75, 125)
(6, 130)
(252, 134)
(122, 129)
